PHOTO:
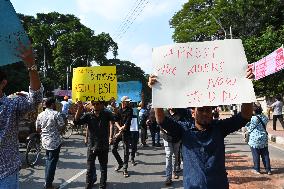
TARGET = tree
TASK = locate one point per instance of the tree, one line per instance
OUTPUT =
(258, 23)
(64, 41)
(127, 71)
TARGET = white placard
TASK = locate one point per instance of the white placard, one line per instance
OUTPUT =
(201, 74)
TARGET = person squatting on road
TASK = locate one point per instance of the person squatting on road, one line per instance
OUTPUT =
(203, 142)
(50, 123)
(99, 123)
(10, 112)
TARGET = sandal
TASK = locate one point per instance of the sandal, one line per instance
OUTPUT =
(118, 168)
(125, 174)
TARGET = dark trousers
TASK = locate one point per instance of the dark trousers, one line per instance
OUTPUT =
(91, 169)
(134, 141)
(280, 118)
(143, 134)
(155, 134)
(263, 152)
(52, 157)
(125, 141)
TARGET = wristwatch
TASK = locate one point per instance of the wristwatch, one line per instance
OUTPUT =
(32, 68)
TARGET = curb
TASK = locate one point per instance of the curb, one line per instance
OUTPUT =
(271, 137)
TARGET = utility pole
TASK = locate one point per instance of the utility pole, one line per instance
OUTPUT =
(219, 23)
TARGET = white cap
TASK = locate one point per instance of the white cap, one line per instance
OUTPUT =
(125, 99)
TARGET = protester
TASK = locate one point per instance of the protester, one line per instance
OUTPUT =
(277, 112)
(172, 145)
(65, 107)
(203, 143)
(154, 128)
(258, 140)
(10, 112)
(123, 122)
(99, 123)
(50, 123)
(134, 135)
(142, 117)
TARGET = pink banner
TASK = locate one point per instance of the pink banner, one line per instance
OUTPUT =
(270, 64)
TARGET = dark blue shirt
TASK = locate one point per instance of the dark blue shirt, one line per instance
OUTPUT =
(204, 151)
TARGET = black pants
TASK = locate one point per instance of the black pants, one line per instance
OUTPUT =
(280, 117)
(103, 160)
(126, 140)
(134, 141)
(143, 134)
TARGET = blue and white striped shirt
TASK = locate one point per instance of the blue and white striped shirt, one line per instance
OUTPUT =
(10, 112)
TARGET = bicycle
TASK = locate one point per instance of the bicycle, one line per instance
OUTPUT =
(33, 149)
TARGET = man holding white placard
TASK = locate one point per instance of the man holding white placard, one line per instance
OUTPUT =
(202, 139)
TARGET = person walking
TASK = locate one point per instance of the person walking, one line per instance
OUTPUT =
(50, 123)
(277, 112)
(258, 140)
(123, 122)
(11, 110)
(99, 123)
(154, 128)
(172, 145)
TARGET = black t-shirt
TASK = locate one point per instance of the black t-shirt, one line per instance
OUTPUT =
(124, 117)
(98, 128)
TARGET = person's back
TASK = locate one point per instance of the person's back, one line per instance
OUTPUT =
(277, 107)
(50, 122)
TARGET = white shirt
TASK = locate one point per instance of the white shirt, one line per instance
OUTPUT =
(134, 125)
(277, 107)
(50, 122)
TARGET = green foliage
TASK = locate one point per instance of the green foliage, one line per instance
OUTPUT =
(64, 41)
(127, 71)
(258, 23)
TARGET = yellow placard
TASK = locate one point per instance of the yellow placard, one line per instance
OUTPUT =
(98, 83)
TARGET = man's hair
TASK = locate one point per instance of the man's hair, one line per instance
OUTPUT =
(257, 109)
(3, 75)
(49, 102)
(279, 98)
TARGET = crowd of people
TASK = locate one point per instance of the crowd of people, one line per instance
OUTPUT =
(192, 135)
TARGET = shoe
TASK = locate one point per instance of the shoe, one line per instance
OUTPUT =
(168, 182)
(153, 144)
(125, 173)
(133, 163)
(158, 145)
(178, 169)
(118, 168)
(175, 176)
(269, 172)
(255, 172)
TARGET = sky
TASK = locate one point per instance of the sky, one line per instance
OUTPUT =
(147, 26)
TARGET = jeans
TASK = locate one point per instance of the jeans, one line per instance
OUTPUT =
(10, 182)
(172, 150)
(91, 168)
(280, 117)
(134, 140)
(52, 157)
(263, 152)
(115, 153)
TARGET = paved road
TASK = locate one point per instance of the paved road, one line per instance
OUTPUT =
(149, 173)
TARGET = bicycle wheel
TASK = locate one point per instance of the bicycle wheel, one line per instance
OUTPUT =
(68, 130)
(33, 152)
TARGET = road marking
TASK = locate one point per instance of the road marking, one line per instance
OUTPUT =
(72, 178)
